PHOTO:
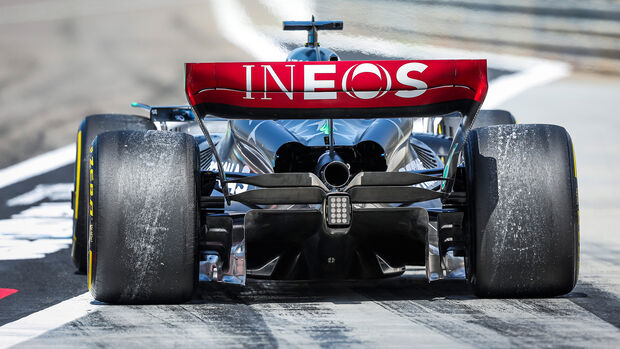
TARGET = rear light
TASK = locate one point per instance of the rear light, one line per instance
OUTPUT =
(338, 211)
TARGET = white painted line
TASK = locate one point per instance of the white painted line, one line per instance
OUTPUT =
(51, 192)
(37, 165)
(47, 319)
(508, 86)
(286, 10)
(36, 231)
(236, 27)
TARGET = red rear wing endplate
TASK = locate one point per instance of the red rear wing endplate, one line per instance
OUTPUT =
(344, 89)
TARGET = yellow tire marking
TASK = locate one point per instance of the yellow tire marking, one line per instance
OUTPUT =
(91, 178)
(574, 162)
(90, 226)
(90, 268)
(578, 218)
(78, 163)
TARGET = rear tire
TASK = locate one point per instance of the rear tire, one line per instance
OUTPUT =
(90, 127)
(522, 211)
(144, 217)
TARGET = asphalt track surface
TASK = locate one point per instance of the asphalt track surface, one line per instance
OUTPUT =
(400, 312)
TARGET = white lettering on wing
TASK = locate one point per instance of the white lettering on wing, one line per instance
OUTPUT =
(311, 83)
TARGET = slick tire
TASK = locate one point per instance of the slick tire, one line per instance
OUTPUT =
(144, 217)
(522, 214)
(90, 127)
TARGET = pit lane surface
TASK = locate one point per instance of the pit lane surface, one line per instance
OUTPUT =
(403, 312)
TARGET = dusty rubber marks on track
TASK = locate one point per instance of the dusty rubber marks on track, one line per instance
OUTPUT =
(327, 313)
(447, 308)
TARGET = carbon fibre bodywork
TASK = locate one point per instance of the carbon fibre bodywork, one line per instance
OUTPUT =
(292, 241)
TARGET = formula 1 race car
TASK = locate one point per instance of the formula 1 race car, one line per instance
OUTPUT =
(324, 169)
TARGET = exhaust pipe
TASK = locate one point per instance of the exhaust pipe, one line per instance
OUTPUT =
(336, 174)
(332, 170)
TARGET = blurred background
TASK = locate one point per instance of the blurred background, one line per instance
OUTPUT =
(63, 59)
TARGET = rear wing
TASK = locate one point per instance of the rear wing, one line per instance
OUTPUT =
(341, 89)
